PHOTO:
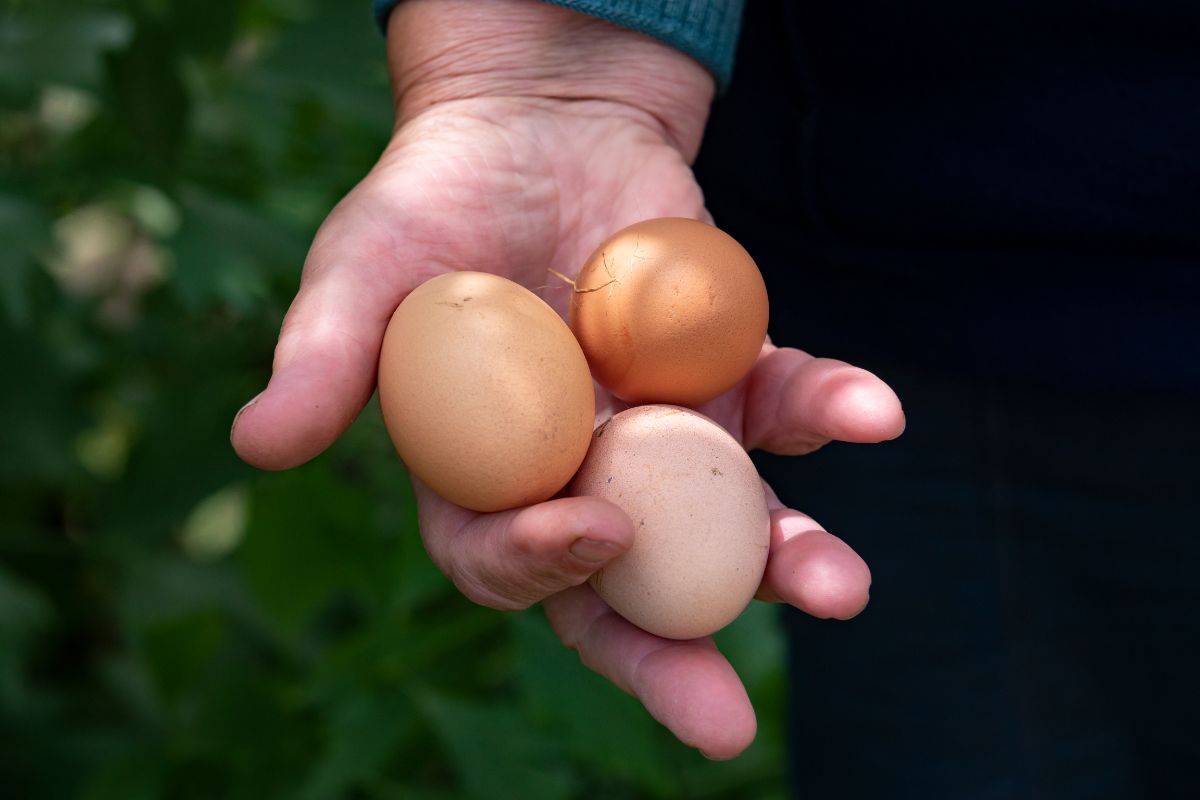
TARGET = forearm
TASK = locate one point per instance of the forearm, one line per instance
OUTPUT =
(445, 50)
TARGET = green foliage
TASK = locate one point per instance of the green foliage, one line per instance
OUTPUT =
(173, 623)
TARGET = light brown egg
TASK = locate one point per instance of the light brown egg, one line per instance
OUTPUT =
(700, 513)
(485, 392)
(669, 311)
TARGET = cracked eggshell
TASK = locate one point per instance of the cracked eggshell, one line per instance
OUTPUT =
(485, 393)
(670, 310)
(700, 513)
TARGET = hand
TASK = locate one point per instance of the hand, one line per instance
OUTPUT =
(526, 134)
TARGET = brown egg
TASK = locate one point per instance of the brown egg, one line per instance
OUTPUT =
(700, 513)
(485, 392)
(669, 311)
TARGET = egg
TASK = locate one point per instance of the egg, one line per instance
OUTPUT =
(484, 391)
(669, 311)
(700, 516)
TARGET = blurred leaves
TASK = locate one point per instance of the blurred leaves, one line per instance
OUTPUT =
(216, 526)
(24, 228)
(173, 623)
(41, 45)
(23, 615)
(601, 725)
(498, 755)
(148, 95)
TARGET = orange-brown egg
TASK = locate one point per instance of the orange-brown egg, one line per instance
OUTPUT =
(485, 392)
(669, 311)
(700, 516)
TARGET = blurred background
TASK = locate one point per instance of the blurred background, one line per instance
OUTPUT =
(172, 622)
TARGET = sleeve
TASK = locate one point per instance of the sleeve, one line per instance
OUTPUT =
(707, 30)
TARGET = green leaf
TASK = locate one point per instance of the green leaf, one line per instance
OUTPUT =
(24, 614)
(363, 736)
(229, 252)
(41, 45)
(39, 449)
(24, 228)
(602, 726)
(158, 588)
(150, 96)
(754, 644)
(309, 541)
(205, 27)
(180, 650)
(496, 753)
(349, 79)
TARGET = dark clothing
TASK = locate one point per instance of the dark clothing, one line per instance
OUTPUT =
(1005, 190)
(995, 207)
(1032, 631)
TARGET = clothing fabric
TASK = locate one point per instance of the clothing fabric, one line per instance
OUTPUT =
(707, 30)
(994, 190)
(1032, 630)
(992, 206)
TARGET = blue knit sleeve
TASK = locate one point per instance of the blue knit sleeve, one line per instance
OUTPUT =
(707, 30)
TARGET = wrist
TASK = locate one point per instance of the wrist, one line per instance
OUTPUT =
(445, 50)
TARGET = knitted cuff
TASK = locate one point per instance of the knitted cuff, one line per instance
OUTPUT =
(707, 30)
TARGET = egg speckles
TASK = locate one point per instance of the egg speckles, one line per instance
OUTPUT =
(485, 392)
(669, 311)
(700, 514)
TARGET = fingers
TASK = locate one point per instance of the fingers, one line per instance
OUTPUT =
(688, 686)
(513, 559)
(812, 569)
(325, 362)
(796, 403)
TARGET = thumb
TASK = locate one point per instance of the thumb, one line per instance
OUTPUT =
(325, 361)
(513, 559)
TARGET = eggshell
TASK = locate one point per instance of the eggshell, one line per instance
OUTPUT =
(485, 392)
(670, 311)
(700, 513)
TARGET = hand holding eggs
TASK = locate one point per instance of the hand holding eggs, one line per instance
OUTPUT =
(488, 398)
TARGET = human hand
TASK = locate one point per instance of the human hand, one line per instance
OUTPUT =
(525, 135)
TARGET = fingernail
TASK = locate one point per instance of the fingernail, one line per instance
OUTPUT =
(241, 411)
(594, 551)
(712, 757)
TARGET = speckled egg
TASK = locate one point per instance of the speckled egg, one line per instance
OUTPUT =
(670, 310)
(485, 392)
(700, 513)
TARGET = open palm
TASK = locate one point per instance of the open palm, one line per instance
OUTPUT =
(517, 186)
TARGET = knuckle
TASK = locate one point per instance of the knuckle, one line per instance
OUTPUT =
(481, 591)
(477, 592)
(527, 542)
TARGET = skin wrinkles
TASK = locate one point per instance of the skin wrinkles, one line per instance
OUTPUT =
(522, 49)
(489, 172)
(527, 138)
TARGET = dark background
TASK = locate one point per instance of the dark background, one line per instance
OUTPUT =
(993, 207)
